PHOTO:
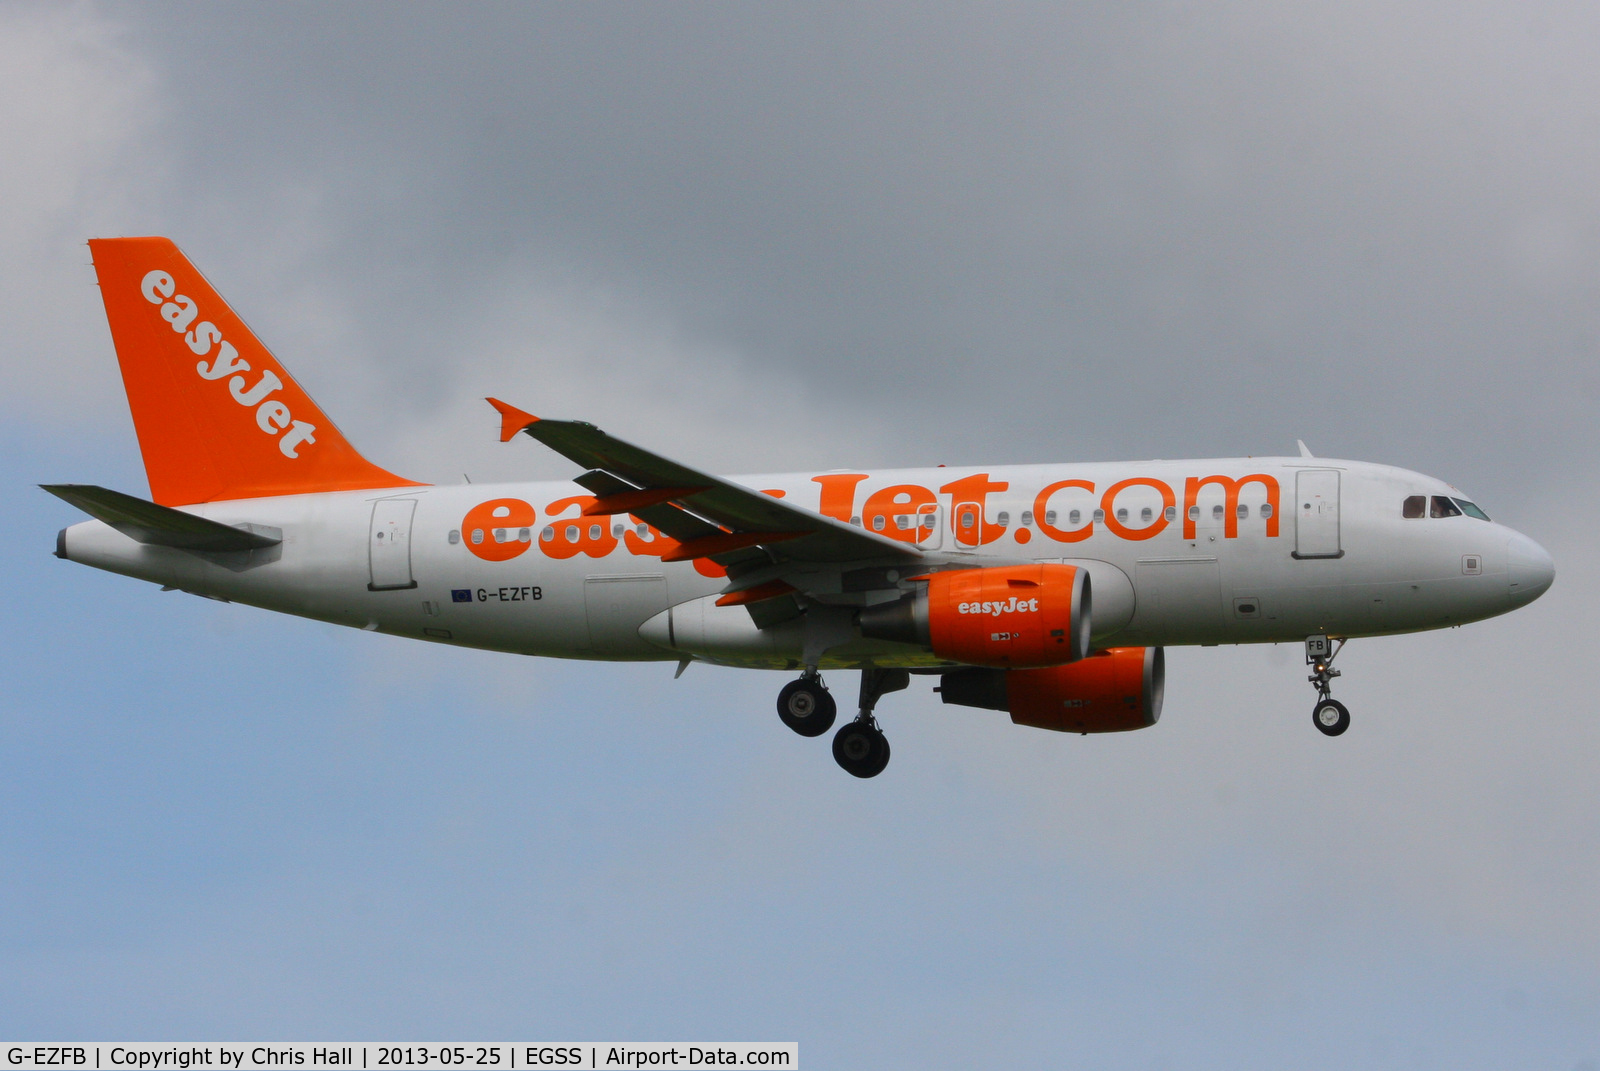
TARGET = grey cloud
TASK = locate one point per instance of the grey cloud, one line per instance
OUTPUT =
(1159, 229)
(770, 236)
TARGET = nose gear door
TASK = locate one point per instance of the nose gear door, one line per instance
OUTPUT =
(1316, 529)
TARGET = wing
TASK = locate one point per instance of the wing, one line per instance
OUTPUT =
(736, 527)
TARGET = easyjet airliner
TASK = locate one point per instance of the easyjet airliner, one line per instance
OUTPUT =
(1047, 591)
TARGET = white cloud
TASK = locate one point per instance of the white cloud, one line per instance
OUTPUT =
(581, 349)
(80, 116)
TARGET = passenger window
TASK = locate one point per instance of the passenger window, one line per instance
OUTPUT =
(1170, 513)
(1050, 516)
(1099, 514)
(1122, 515)
(1243, 511)
(1470, 509)
(877, 523)
(524, 536)
(1027, 518)
(1443, 507)
(1414, 506)
(1145, 514)
(1216, 513)
(1194, 513)
(1004, 518)
(1266, 510)
(1074, 517)
(455, 536)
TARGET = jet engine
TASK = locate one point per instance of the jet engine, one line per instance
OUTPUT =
(1111, 691)
(1007, 617)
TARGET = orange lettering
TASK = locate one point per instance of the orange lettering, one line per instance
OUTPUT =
(891, 503)
(1230, 514)
(493, 530)
(838, 494)
(1117, 528)
(1041, 510)
(574, 535)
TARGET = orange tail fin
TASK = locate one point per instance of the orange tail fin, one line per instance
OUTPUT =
(216, 414)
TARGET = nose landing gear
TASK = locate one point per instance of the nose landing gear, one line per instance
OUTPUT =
(1329, 715)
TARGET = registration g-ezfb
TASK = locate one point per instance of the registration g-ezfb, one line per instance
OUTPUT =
(48, 1055)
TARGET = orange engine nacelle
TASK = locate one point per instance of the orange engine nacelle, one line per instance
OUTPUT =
(1111, 691)
(1008, 617)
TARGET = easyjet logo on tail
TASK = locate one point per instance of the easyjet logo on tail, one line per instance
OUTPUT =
(272, 415)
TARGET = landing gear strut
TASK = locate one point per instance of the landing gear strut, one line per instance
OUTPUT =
(805, 706)
(1329, 715)
(860, 747)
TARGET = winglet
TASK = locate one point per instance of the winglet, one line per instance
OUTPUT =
(1304, 450)
(512, 419)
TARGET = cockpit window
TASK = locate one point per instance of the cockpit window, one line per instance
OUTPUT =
(1415, 506)
(1443, 507)
(1470, 509)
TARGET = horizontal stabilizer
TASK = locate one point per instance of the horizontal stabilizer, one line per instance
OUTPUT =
(162, 526)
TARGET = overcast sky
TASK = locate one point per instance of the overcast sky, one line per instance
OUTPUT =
(763, 237)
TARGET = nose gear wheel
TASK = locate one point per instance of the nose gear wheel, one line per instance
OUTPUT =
(1329, 715)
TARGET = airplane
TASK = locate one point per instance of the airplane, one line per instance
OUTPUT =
(1047, 591)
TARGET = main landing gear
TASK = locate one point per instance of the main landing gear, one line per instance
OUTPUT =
(1329, 715)
(805, 705)
(859, 746)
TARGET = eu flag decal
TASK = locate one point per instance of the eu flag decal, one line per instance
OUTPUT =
(460, 594)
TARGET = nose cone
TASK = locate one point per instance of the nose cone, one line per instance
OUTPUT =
(1530, 567)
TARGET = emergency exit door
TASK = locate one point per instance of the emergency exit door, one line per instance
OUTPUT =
(389, 544)
(1316, 528)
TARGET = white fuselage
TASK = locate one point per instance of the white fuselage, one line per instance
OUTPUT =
(1247, 550)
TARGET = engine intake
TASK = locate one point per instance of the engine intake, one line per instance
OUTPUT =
(1007, 617)
(1111, 691)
